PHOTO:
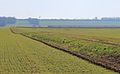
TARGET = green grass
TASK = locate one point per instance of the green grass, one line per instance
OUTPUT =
(99, 44)
(21, 55)
(22, 23)
(101, 40)
(63, 23)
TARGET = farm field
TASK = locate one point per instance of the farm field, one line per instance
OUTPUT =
(68, 23)
(98, 45)
(21, 55)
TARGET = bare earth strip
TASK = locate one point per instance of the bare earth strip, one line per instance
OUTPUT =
(21, 55)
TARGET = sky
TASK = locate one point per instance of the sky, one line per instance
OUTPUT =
(60, 9)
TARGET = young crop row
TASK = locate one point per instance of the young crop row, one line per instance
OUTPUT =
(102, 52)
(21, 55)
(14, 59)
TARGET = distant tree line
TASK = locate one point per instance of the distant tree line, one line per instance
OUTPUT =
(34, 22)
(7, 20)
(12, 20)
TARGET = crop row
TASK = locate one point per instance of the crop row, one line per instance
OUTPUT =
(21, 55)
(105, 53)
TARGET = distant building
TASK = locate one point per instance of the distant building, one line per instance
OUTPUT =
(43, 26)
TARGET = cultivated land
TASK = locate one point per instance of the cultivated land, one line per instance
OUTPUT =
(97, 45)
(21, 55)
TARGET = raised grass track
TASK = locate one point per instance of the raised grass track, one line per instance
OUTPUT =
(21, 55)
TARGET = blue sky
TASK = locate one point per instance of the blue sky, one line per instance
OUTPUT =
(73, 9)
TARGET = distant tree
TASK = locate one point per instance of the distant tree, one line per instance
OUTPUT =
(10, 20)
(7, 20)
(34, 22)
(2, 21)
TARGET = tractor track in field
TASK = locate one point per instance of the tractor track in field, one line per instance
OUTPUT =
(101, 41)
(99, 62)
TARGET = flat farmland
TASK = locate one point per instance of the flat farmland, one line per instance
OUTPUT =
(21, 55)
(98, 45)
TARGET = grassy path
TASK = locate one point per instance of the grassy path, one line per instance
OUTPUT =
(21, 55)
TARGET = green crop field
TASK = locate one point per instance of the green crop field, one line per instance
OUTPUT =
(67, 23)
(98, 45)
(21, 55)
